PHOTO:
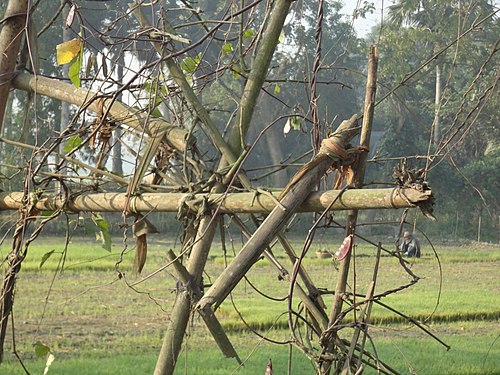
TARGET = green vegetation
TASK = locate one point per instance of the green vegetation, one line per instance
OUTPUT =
(95, 324)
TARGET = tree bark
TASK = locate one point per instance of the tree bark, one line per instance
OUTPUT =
(11, 36)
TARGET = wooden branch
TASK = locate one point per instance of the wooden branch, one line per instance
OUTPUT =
(231, 203)
(116, 110)
(258, 73)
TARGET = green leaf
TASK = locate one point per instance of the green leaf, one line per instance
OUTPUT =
(41, 349)
(46, 213)
(72, 143)
(189, 64)
(74, 69)
(157, 88)
(295, 123)
(277, 89)
(45, 257)
(237, 71)
(106, 241)
(248, 33)
(90, 226)
(103, 234)
(227, 48)
(156, 113)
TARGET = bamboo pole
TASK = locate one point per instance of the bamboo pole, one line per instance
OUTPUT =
(391, 198)
(309, 300)
(116, 111)
(172, 341)
(187, 91)
(198, 258)
(363, 321)
(187, 294)
(258, 74)
(353, 214)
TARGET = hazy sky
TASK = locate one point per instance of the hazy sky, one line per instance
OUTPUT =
(364, 25)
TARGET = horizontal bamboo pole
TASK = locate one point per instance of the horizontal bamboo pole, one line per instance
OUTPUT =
(231, 203)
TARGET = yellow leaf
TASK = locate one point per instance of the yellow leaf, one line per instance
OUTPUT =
(68, 50)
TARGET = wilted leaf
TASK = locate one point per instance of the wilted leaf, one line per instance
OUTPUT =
(277, 89)
(91, 63)
(41, 349)
(295, 122)
(141, 253)
(67, 51)
(45, 257)
(227, 48)
(71, 16)
(143, 226)
(287, 127)
(104, 66)
(72, 143)
(248, 33)
(344, 248)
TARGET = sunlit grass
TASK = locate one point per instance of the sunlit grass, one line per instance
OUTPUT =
(92, 320)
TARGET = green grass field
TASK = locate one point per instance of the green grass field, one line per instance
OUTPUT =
(95, 324)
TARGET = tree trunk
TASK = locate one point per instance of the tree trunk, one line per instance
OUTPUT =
(11, 36)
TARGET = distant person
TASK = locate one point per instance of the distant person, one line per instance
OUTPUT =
(410, 247)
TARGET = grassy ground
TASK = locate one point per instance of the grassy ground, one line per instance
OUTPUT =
(95, 324)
